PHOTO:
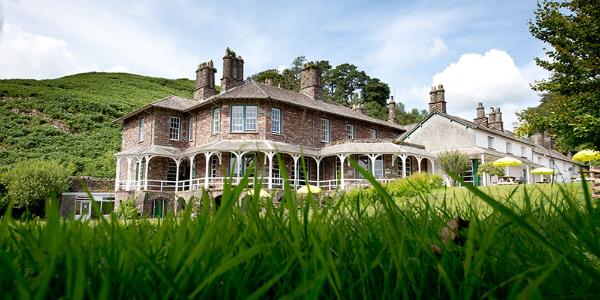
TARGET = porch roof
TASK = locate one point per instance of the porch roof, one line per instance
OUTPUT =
(273, 146)
(151, 150)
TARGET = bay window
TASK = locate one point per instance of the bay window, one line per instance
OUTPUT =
(244, 118)
(175, 128)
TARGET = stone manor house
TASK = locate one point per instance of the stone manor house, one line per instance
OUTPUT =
(175, 147)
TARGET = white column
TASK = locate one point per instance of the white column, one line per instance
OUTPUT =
(238, 165)
(138, 178)
(318, 161)
(177, 162)
(191, 170)
(118, 175)
(295, 157)
(432, 166)
(207, 156)
(403, 157)
(128, 184)
(342, 158)
(527, 173)
(419, 159)
(484, 175)
(146, 166)
(270, 157)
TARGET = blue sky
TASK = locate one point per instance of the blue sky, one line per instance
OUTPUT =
(479, 50)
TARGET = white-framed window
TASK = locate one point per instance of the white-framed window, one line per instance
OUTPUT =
(237, 119)
(350, 131)
(244, 118)
(251, 116)
(216, 119)
(490, 142)
(378, 167)
(508, 148)
(175, 129)
(276, 120)
(523, 153)
(373, 133)
(325, 131)
(141, 130)
(213, 166)
(190, 129)
(408, 166)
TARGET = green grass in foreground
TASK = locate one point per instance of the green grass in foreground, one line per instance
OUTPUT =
(546, 248)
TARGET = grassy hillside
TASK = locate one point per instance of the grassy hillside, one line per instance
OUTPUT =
(70, 118)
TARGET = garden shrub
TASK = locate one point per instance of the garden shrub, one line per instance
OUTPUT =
(29, 183)
(128, 209)
(415, 183)
(454, 162)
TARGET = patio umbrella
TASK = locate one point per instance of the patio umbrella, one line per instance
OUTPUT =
(507, 161)
(305, 189)
(261, 194)
(586, 155)
(544, 171)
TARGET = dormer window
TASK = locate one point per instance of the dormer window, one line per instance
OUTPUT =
(175, 129)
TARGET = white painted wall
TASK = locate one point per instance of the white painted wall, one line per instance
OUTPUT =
(441, 134)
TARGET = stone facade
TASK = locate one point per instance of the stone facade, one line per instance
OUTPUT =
(310, 82)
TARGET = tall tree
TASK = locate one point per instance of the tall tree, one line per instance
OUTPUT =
(376, 95)
(345, 80)
(570, 106)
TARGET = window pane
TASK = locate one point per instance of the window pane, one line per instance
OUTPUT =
(325, 133)
(237, 118)
(190, 129)
(215, 121)
(251, 115)
(379, 167)
(141, 130)
(175, 128)
(350, 133)
(373, 134)
(276, 120)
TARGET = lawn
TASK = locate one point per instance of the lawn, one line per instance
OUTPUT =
(545, 249)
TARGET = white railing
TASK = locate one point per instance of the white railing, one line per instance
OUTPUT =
(217, 183)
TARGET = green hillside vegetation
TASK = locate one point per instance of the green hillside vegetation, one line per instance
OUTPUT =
(70, 119)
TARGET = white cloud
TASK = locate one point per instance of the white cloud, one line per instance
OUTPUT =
(492, 78)
(27, 55)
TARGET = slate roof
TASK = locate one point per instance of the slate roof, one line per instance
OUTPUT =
(254, 90)
(169, 102)
(551, 153)
(505, 133)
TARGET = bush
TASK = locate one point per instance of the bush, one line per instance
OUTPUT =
(29, 183)
(454, 163)
(412, 185)
(128, 209)
(490, 169)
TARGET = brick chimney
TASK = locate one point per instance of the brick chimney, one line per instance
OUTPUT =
(205, 81)
(499, 125)
(233, 71)
(437, 100)
(310, 82)
(491, 118)
(481, 119)
(392, 111)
